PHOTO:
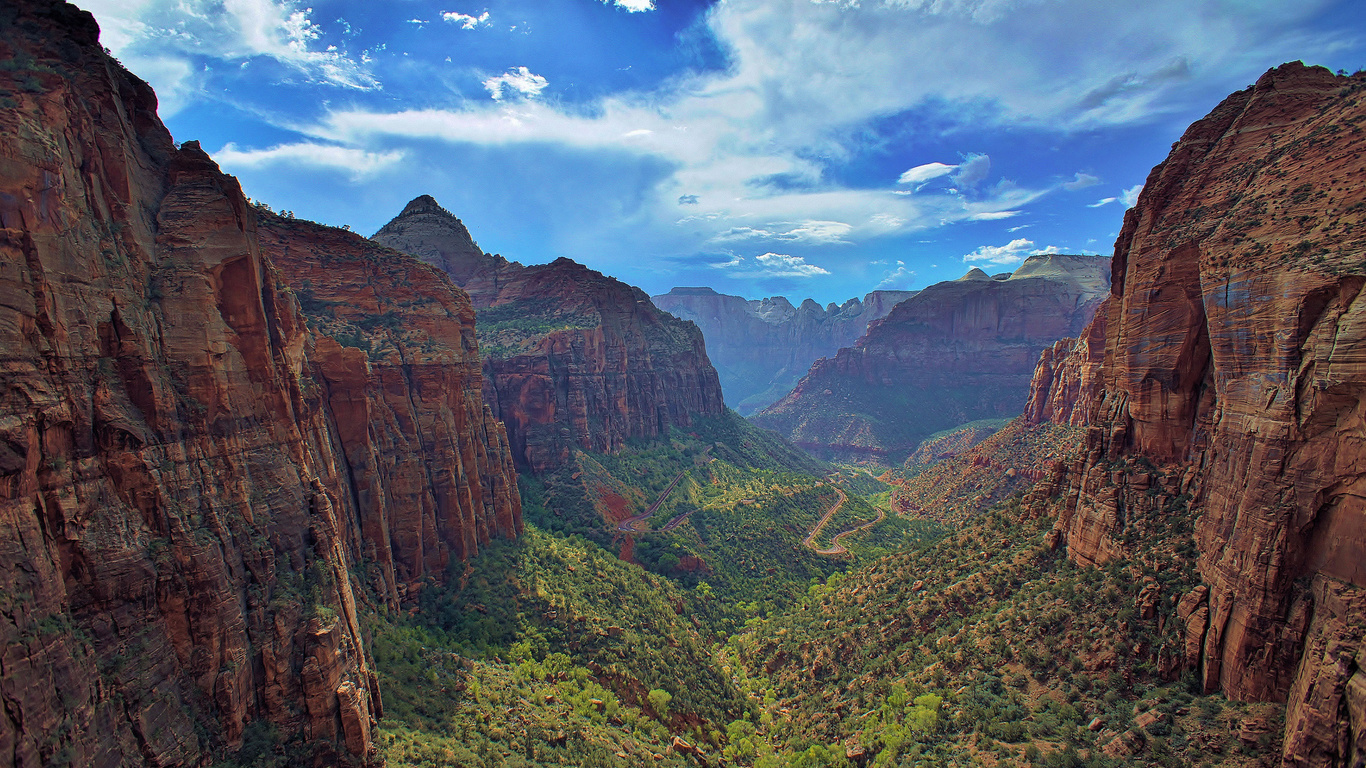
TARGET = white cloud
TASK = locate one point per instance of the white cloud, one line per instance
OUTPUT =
(1013, 252)
(992, 215)
(900, 277)
(466, 21)
(972, 171)
(634, 6)
(358, 162)
(521, 80)
(1082, 181)
(163, 39)
(772, 265)
(1130, 196)
(923, 173)
(1102, 201)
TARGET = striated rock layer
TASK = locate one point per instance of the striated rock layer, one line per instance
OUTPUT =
(1234, 359)
(956, 352)
(571, 357)
(191, 472)
(762, 347)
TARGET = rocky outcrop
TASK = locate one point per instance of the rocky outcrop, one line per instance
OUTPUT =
(956, 352)
(572, 358)
(762, 347)
(1234, 349)
(1067, 376)
(185, 498)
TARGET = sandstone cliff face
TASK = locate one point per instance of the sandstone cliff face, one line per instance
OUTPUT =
(183, 490)
(956, 352)
(1233, 361)
(762, 347)
(571, 357)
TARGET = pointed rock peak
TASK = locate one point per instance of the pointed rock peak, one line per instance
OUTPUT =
(974, 274)
(423, 204)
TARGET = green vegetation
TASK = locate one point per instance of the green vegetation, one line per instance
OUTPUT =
(515, 327)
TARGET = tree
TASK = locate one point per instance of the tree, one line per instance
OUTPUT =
(659, 702)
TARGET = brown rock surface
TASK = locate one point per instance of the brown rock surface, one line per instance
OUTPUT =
(180, 514)
(762, 347)
(956, 352)
(571, 357)
(1235, 357)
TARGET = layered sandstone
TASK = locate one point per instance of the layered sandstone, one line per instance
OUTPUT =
(1234, 360)
(572, 358)
(191, 474)
(956, 352)
(762, 347)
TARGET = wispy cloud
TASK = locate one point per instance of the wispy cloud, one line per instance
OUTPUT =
(634, 6)
(1102, 201)
(1082, 181)
(356, 161)
(900, 277)
(923, 173)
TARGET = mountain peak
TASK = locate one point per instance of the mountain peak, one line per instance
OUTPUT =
(423, 204)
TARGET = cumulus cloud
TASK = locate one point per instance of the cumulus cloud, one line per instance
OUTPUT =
(634, 6)
(1013, 252)
(1082, 181)
(465, 20)
(1130, 196)
(517, 80)
(900, 277)
(357, 162)
(771, 265)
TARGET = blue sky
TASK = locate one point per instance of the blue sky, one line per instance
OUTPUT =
(816, 148)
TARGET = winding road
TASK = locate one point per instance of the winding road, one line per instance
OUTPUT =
(836, 548)
(636, 524)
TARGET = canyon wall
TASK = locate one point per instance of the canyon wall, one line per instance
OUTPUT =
(1233, 363)
(762, 347)
(200, 489)
(572, 358)
(956, 352)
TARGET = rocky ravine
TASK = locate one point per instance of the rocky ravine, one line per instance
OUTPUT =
(956, 352)
(761, 348)
(1231, 361)
(192, 469)
(571, 357)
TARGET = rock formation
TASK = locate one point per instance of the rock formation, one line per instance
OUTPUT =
(956, 352)
(1230, 358)
(191, 471)
(762, 347)
(571, 357)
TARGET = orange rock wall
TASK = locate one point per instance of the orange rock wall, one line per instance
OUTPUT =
(184, 494)
(1235, 354)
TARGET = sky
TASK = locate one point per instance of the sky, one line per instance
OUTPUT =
(808, 148)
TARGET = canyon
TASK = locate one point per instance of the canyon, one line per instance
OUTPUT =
(956, 352)
(201, 484)
(762, 347)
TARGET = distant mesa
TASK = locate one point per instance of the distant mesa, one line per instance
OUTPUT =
(956, 352)
(761, 347)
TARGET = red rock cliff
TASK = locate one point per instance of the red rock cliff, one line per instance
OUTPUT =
(190, 474)
(571, 357)
(955, 352)
(1234, 358)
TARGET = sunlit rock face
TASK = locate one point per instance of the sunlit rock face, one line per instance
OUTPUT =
(1232, 355)
(572, 358)
(192, 469)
